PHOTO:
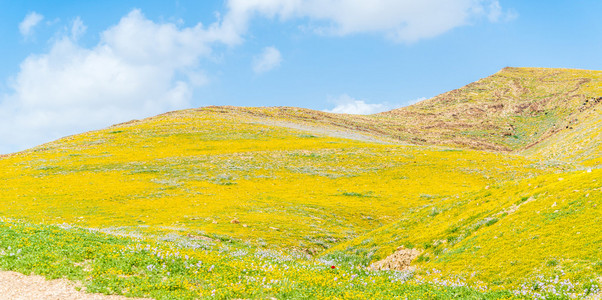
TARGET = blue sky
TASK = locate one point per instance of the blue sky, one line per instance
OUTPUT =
(71, 66)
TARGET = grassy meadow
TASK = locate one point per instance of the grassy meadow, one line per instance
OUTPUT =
(231, 203)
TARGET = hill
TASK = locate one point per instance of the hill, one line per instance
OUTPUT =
(491, 191)
(510, 110)
(197, 170)
(513, 109)
(542, 228)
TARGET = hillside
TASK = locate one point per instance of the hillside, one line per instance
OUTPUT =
(580, 143)
(545, 227)
(513, 109)
(197, 170)
(492, 190)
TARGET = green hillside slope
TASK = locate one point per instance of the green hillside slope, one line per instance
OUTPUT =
(515, 234)
(493, 190)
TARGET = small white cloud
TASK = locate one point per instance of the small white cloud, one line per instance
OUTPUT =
(77, 28)
(269, 59)
(348, 105)
(495, 11)
(31, 20)
(414, 101)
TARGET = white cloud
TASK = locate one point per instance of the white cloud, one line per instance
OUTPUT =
(77, 28)
(269, 59)
(348, 105)
(399, 20)
(414, 101)
(495, 11)
(31, 20)
(139, 68)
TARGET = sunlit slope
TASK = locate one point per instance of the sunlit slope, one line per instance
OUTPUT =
(350, 189)
(505, 235)
(510, 110)
(202, 172)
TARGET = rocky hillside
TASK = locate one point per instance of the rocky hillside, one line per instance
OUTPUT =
(514, 109)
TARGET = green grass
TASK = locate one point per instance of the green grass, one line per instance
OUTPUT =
(183, 269)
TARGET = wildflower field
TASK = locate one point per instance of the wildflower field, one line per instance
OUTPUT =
(229, 203)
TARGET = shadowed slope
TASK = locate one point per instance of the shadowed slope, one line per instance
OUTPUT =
(578, 142)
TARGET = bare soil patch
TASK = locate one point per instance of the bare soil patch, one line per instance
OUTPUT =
(15, 285)
(401, 260)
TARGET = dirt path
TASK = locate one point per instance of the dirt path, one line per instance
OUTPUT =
(327, 131)
(14, 285)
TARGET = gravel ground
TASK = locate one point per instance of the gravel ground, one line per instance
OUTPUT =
(18, 286)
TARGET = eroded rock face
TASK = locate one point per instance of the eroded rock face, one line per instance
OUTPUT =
(400, 260)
